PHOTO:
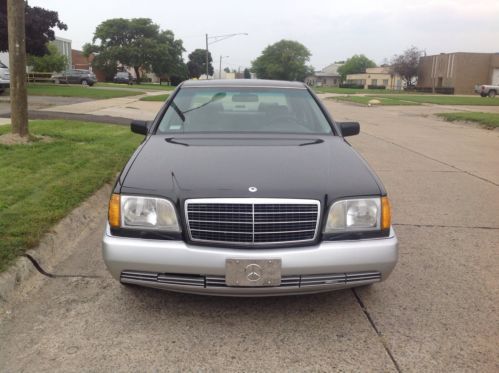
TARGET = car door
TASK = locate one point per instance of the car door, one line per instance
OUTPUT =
(73, 77)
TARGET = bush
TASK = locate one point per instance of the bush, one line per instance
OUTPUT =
(445, 90)
(376, 87)
(349, 85)
(441, 90)
(423, 89)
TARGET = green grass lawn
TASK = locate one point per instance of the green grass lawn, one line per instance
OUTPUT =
(352, 91)
(65, 90)
(44, 181)
(161, 98)
(146, 86)
(406, 99)
(487, 119)
(385, 101)
(449, 100)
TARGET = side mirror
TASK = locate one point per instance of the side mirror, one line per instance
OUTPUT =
(139, 126)
(349, 128)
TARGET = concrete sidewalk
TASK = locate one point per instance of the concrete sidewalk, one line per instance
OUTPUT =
(123, 107)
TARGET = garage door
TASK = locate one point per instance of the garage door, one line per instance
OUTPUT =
(495, 77)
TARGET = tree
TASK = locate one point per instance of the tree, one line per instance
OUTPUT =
(227, 70)
(137, 43)
(197, 63)
(101, 62)
(53, 61)
(355, 65)
(247, 74)
(39, 25)
(167, 60)
(284, 60)
(406, 65)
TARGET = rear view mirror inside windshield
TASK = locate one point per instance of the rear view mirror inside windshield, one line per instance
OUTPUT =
(245, 97)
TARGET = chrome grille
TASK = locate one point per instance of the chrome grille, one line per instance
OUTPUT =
(252, 221)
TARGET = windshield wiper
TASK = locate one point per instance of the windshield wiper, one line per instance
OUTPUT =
(178, 111)
(216, 97)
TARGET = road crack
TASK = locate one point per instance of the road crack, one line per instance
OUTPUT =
(433, 159)
(378, 332)
(442, 226)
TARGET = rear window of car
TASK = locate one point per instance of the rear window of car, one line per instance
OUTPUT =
(280, 110)
(2, 66)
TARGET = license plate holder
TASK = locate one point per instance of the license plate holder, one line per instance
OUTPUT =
(253, 272)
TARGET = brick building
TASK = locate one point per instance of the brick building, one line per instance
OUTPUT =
(375, 77)
(79, 61)
(458, 71)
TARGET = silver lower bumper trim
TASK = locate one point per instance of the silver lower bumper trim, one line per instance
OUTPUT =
(215, 285)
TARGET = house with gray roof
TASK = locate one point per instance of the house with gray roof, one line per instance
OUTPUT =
(327, 77)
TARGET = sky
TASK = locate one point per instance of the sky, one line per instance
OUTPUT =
(331, 30)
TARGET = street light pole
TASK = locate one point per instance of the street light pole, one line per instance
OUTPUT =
(217, 38)
(220, 67)
(207, 63)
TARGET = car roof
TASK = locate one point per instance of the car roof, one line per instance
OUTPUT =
(243, 83)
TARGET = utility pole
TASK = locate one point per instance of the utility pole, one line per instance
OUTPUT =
(220, 67)
(207, 63)
(17, 67)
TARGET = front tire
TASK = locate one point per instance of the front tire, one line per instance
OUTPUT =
(492, 94)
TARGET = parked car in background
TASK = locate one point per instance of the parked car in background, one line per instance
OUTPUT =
(75, 76)
(248, 188)
(4, 78)
(487, 90)
(124, 77)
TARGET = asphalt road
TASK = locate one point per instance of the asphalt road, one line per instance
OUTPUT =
(437, 312)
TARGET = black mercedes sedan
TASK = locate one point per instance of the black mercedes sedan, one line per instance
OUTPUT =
(248, 188)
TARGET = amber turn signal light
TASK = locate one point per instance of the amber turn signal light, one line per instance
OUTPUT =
(386, 215)
(114, 211)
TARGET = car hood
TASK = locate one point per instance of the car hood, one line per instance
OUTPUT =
(311, 167)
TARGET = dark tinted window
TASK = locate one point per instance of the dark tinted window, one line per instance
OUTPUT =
(244, 110)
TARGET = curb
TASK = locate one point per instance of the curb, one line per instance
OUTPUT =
(57, 244)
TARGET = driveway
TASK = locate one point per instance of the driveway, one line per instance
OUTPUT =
(437, 312)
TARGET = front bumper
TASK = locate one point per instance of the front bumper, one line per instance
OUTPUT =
(178, 266)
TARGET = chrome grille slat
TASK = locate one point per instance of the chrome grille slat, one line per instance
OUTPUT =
(252, 221)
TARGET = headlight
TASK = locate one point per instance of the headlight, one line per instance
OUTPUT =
(359, 214)
(143, 213)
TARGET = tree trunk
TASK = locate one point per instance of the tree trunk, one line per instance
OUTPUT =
(17, 67)
(137, 73)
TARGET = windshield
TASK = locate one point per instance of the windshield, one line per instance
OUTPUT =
(243, 110)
